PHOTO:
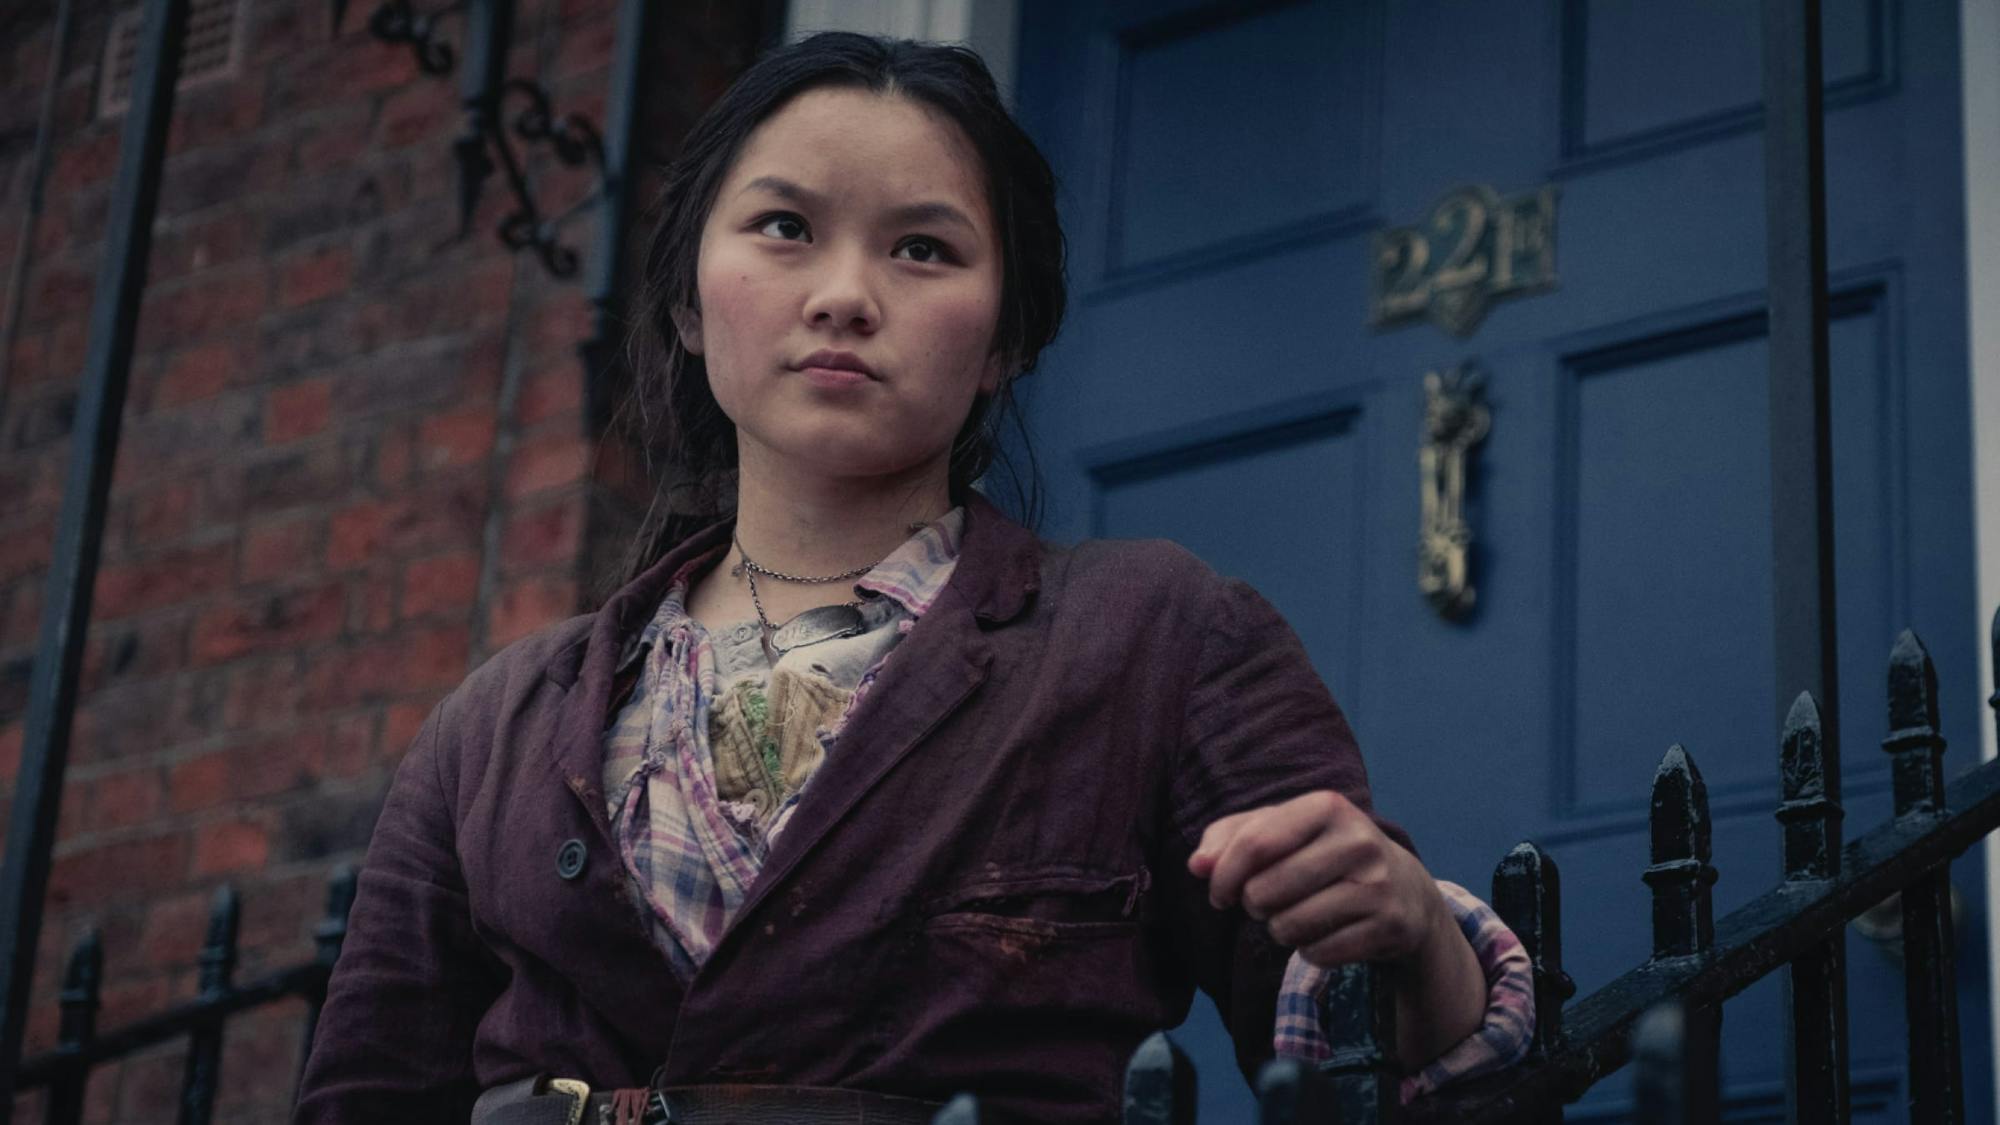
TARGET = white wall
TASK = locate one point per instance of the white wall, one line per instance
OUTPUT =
(987, 26)
(1979, 39)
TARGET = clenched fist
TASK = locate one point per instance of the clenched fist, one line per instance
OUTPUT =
(1326, 881)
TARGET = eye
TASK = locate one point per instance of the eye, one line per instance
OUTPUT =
(784, 225)
(925, 250)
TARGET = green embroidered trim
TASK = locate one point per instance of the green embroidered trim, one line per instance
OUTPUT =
(757, 708)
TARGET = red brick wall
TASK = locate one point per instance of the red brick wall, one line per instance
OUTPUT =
(353, 464)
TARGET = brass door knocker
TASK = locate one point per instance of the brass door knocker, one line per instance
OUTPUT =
(1455, 421)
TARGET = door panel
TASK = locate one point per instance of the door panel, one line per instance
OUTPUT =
(1224, 166)
(1645, 72)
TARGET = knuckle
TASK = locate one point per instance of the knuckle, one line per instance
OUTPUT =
(1325, 803)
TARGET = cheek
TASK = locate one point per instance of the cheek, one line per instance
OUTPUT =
(730, 306)
(962, 338)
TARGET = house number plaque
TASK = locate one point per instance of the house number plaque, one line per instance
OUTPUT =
(1474, 249)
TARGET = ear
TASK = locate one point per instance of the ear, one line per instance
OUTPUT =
(994, 374)
(687, 322)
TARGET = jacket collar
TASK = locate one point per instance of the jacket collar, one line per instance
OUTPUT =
(998, 574)
(999, 564)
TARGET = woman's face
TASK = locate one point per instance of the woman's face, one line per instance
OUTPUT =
(849, 281)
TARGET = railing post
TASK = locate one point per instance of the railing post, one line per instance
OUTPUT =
(328, 937)
(107, 368)
(1684, 911)
(1159, 1084)
(1290, 1092)
(1916, 749)
(1527, 895)
(218, 966)
(81, 981)
(1811, 814)
(1674, 1080)
(1358, 1011)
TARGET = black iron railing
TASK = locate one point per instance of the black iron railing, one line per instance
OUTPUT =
(80, 1049)
(1667, 1011)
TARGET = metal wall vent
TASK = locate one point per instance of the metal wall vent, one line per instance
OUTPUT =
(209, 52)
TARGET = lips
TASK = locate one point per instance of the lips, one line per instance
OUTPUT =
(835, 361)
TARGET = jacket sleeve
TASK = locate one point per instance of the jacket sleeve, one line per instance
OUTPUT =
(1259, 727)
(394, 1040)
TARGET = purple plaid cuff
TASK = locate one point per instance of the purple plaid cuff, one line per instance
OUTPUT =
(1501, 1041)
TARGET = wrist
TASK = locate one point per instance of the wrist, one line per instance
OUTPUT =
(1434, 947)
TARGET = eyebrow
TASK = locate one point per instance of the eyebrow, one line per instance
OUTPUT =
(930, 211)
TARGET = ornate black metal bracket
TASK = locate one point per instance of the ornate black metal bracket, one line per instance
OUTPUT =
(486, 147)
(398, 21)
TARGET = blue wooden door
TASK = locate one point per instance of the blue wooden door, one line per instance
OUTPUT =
(1219, 383)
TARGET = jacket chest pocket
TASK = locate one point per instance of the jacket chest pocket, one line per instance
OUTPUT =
(1043, 952)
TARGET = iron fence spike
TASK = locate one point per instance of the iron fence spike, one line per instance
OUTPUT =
(218, 951)
(1915, 744)
(86, 963)
(1159, 1084)
(1912, 684)
(83, 979)
(1809, 807)
(1527, 895)
(1803, 757)
(1680, 825)
(961, 1110)
(1680, 875)
(1291, 1093)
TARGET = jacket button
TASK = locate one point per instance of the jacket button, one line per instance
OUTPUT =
(570, 858)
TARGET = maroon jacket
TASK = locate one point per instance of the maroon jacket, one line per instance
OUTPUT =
(983, 889)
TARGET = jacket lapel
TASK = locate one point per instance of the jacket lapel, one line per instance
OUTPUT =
(578, 754)
(928, 675)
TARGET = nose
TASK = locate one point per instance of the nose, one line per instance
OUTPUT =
(842, 296)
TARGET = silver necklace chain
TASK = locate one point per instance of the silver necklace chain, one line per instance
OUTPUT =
(751, 570)
(767, 572)
(764, 619)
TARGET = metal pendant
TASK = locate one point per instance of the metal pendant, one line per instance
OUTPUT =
(822, 623)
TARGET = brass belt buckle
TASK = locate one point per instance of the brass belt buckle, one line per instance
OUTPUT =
(578, 1091)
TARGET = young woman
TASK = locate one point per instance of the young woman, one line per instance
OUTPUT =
(861, 795)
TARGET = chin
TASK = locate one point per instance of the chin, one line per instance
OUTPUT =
(836, 460)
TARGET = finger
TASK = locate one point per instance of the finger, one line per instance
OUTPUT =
(1213, 839)
(1323, 913)
(1266, 836)
(1365, 940)
(1323, 861)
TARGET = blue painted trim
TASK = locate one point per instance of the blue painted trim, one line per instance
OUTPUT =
(1873, 290)
(1578, 154)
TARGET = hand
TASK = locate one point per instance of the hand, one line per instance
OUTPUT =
(1325, 881)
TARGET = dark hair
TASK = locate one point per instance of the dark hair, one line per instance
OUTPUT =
(688, 441)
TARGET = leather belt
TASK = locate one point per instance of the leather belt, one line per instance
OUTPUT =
(544, 1101)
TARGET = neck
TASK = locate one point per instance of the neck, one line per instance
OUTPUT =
(806, 523)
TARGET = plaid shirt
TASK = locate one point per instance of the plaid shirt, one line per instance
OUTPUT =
(1502, 1038)
(693, 863)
